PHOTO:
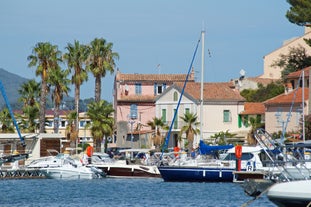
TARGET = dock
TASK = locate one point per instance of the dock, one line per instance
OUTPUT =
(240, 176)
(21, 174)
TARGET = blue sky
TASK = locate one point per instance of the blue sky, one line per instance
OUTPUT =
(148, 33)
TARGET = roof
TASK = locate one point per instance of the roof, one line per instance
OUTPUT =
(263, 81)
(298, 73)
(153, 77)
(251, 108)
(287, 98)
(137, 98)
(223, 91)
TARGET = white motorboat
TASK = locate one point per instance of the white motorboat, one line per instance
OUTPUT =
(132, 166)
(293, 193)
(71, 169)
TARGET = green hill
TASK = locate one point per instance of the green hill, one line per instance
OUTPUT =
(11, 83)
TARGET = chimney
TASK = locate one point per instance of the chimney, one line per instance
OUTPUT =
(288, 88)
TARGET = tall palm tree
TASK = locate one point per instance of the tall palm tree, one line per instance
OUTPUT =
(71, 132)
(29, 96)
(101, 122)
(76, 58)
(190, 128)
(45, 57)
(157, 124)
(101, 61)
(59, 83)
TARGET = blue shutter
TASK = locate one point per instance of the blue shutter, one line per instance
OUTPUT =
(133, 112)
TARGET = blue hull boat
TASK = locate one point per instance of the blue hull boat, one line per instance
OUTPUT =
(196, 174)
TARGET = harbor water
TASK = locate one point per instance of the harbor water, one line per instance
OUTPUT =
(123, 192)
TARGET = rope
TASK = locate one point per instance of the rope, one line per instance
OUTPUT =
(252, 200)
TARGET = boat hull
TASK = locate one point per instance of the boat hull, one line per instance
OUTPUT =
(196, 174)
(130, 171)
(68, 173)
(292, 193)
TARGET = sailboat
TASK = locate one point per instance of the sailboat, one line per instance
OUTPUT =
(204, 168)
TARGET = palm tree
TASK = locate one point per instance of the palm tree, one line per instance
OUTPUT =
(101, 122)
(60, 83)
(45, 57)
(76, 58)
(255, 123)
(101, 61)
(71, 131)
(190, 128)
(6, 121)
(157, 124)
(29, 94)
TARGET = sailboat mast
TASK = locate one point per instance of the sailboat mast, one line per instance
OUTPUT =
(202, 86)
(303, 106)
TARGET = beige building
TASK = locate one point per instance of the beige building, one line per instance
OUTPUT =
(274, 72)
(221, 108)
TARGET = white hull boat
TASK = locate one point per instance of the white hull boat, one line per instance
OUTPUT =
(72, 172)
(293, 193)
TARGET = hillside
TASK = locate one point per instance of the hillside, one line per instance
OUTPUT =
(11, 83)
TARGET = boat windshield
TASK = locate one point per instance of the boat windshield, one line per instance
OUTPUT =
(245, 156)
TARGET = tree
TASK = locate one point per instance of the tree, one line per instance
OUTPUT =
(29, 96)
(220, 137)
(300, 14)
(46, 57)
(101, 61)
(76, 58)
(190, 128)
(255, 123)
(157, 124)
(263, 93)
(59, 84)
(71, 129)
(100, 114)
(6, 121)
(296, 59)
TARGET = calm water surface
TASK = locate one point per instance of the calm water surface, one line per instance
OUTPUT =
(122, 192)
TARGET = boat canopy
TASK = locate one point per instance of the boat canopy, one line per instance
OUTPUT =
(209, 149)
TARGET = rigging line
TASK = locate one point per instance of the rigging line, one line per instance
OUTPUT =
(291, 108)
(181, 94)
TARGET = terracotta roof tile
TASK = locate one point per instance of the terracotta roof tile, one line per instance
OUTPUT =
(137, 98)
(251, 108)
(288, 98)
(263, 81)
(223, 91)
(154, 77)
(297, 73)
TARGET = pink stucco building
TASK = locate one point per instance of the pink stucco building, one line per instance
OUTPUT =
(134, 105)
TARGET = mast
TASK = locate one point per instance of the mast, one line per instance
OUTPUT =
(303, 106)
(202, 86)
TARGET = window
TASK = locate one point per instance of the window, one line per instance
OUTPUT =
(49, 124)
(159, 88)
(164, 115)
(187, 110)
(175, 98)
(138, 88)
(227, 116)
(133, 112)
